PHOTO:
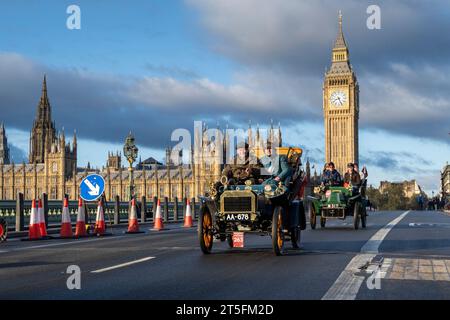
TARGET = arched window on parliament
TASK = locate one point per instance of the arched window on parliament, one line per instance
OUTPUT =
(53, 193)
(187, 193)
(162, 193)
(113, 191)
(174, 191)
(149, 192)
(28, 194)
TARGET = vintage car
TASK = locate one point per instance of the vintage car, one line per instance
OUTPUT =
(268, 209)
(3, 230)
(337, 203)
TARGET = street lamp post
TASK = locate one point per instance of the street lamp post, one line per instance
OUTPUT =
(130, 151)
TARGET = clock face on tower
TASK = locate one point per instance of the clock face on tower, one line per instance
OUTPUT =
(338, 98)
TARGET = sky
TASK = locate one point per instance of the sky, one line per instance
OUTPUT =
(155, 66)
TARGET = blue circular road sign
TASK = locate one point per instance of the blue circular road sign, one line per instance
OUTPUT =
(92, 187)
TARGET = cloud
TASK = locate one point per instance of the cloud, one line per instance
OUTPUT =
(106, 107)
(298, 35)
(171, 71)
(16, 154)
(402, 69)
(406, 163)
(280, 49)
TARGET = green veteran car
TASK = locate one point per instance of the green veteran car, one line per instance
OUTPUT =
(337, 203)
(277, 210)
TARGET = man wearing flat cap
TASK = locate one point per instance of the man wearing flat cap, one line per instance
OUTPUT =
(276, 167)
(244, 167)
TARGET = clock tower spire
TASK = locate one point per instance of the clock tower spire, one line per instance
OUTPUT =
(341, 106)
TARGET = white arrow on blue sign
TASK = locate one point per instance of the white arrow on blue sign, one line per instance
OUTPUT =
(92, 187)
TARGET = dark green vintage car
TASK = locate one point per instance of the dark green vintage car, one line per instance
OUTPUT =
(337, 203)
(270, 209)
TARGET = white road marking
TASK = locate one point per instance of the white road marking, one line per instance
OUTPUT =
(374, 243)
(347, 285)
(122, 265)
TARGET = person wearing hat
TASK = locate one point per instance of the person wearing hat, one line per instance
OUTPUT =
(352, 176)
(276, 167)
(244, 167)
(331, 176)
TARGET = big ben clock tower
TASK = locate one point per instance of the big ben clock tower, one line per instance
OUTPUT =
(341, 106)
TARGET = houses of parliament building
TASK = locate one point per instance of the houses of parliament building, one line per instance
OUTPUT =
(52, 166)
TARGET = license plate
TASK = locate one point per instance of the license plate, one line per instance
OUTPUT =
(238, 239)
(237, 217)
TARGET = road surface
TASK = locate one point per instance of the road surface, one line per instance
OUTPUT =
(401, 255)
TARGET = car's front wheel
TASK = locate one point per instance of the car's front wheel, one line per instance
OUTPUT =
(312, 216)
(323, 222)
(277, 231)
(356, 215)
(363, 217)
(230, 240)
(205, 230)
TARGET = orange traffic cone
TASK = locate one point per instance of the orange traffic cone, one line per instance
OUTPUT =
(33, 231)
(66, 224)
(133, 225)
(80, 228)
(100, 227)
(42, 227)
(158, 221)
(188, 216)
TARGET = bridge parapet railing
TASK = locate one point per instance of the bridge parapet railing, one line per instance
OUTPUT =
(116, 212)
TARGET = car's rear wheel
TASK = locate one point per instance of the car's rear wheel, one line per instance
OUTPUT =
(205, 230)
(277, 231)
(323, 222)
(356, 215)
(3, 230)
(363, 217)
(295, 237)
(312, 216)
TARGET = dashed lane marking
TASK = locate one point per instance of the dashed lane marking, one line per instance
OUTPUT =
(122, 265)
(347, 285)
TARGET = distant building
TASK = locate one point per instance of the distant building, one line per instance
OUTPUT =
(410, 188)
(4, 149)
(445, 180)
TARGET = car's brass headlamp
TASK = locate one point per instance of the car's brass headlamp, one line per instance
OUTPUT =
(224, 180)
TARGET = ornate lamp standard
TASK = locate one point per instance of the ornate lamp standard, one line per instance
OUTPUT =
(130, 151)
